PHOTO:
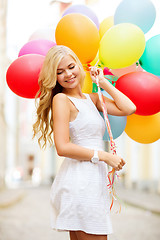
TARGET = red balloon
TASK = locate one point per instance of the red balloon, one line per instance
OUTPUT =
(143, 89)
(22, 75)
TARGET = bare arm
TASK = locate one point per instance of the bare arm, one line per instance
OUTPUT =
(121, 105)
(61, 114)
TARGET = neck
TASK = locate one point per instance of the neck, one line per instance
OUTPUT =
(76, 92)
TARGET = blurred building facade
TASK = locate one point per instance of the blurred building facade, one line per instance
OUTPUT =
(21, 159)
(3, 64)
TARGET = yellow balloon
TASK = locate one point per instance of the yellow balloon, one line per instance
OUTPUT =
(121, 46)
(143, 129)
(95, 60)
(87, 85)
(106, 24)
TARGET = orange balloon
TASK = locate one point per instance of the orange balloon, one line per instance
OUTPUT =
(79, 33)
(87, 85)
(143, 129)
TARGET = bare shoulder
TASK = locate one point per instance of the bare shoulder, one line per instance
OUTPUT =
(60, 103)
(60, 108)
(60, 98)
(94, 97)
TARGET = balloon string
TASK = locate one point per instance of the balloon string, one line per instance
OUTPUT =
(112, 173)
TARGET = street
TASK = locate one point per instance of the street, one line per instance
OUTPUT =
(29, 219)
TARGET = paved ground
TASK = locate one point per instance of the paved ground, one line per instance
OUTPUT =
(28, 218)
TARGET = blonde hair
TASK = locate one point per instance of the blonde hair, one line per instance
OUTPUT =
(49, 87)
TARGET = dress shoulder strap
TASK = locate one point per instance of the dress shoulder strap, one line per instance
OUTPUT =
(75, 102)
(79, 103)
(90, 100)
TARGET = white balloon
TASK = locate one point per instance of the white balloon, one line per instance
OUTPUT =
(43, 33)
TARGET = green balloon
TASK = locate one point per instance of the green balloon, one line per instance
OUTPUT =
(112, 79)
(94, 88)
(150, 59)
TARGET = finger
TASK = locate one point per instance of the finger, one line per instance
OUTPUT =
(118, 169)
(100, 71)
(94, 70)
(120, 165)
(123, 162)
(93, 73)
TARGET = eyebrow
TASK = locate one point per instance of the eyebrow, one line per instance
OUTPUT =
(67, 66)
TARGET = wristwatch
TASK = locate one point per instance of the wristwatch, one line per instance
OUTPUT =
(95, 158)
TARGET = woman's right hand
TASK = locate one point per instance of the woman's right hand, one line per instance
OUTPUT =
(97, 72)
(114, 161)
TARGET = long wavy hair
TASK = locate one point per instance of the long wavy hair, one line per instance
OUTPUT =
(48, 88)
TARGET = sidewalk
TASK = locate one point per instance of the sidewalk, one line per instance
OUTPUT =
(9, 197)
(140, 199)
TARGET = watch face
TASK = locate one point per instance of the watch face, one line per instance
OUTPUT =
(95, 160)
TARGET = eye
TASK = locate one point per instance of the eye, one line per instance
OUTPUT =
(58, 73)
(71, 67)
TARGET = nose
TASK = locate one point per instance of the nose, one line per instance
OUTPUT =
(68, 72)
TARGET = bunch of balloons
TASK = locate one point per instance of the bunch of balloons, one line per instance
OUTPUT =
(118, 46)
(142, 84)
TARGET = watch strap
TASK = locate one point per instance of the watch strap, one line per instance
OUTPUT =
(95, 158)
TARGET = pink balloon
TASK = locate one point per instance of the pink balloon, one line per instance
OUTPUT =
(39, 46)
(122, 71)
(106, 71)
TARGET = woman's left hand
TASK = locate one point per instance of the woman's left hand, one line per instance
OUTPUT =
(96, 72)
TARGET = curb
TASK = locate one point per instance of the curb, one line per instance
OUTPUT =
(142, 200)
(142, 207)
(9, 198)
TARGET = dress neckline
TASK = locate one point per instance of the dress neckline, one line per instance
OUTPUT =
(80, 98)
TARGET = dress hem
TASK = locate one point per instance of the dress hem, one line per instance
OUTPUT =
(79, 229)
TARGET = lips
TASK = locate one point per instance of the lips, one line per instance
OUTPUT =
(70, 80)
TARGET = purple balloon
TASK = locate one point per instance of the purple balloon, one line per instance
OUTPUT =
(82, 9)
(38, 46)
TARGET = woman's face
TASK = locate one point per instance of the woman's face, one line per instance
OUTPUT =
(68, 72)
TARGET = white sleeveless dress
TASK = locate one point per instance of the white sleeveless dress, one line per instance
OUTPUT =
(79, 194)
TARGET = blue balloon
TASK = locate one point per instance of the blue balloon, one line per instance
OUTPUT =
(117, 123)
(106, 94)
(150, 58)
(139, 12)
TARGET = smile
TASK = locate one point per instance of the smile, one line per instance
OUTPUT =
(70, 80)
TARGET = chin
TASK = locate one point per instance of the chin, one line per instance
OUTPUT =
(72, 85)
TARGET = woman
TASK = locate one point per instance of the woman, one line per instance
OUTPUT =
(79, 194)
